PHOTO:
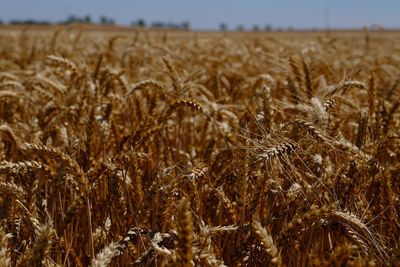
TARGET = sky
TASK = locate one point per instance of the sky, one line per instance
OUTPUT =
(209, 14)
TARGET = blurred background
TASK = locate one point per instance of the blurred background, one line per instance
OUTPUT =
(254, 15)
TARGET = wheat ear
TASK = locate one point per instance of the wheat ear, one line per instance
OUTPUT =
(267, 242)
(185, 233)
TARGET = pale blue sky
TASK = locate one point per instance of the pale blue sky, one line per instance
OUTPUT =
(208, 14)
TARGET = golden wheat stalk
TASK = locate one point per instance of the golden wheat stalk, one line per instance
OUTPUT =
(267, 242)
(274, 152)
(344, 87)
(41, 246)
(185, 233)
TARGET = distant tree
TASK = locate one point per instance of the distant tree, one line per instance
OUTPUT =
(171, 25)
(185, 25)
(240, 28)
(256, 28)
(30, 21)
(71, 19)
(1, 22)
(158, 24)
(223, 27)
(141, 23)
(138, 23)
(87, 19)
(74, 19)
(267, 28)
(106, 21)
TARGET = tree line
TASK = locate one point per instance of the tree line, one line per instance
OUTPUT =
(139, 23)
(103, 20)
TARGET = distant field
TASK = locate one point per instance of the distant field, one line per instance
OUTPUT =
(123, 146)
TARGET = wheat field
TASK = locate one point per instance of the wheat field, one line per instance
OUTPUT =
(156, 148)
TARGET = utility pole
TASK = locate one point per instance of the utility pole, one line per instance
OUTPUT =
(327, 20)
